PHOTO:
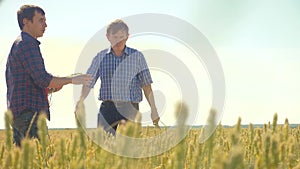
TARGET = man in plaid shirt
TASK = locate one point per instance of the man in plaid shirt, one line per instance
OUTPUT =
(124, 73)
(26, 78)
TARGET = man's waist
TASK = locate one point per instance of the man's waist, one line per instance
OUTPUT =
(122, 96)
(17, 111)
(119, 102)
(119, 99)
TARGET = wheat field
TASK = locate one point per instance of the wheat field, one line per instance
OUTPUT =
(272, 146)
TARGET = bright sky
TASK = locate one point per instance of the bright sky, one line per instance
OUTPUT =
(257, 42)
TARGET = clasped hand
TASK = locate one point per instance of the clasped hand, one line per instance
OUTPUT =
(84, 79)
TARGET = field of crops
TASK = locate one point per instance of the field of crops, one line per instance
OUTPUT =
(270, 147)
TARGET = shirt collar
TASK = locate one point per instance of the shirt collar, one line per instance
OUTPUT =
(28, 37)
(126, 50)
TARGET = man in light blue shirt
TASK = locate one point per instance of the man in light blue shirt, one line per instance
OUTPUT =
(124, 73)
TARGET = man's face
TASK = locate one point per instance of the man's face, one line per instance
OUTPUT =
(118, 40)
(37, 26)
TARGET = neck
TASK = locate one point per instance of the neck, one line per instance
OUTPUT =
(118, 52)
(27, 31)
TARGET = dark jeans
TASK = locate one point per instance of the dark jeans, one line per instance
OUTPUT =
(111, 113)
(21, 126)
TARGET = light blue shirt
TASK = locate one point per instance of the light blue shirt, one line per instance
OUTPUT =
(121, 77)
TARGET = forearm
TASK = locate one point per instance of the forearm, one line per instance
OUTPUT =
(58, 82)
(149, 96)
(84, 92)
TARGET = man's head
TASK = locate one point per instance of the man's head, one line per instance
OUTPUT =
(32, 20)
(117, 34)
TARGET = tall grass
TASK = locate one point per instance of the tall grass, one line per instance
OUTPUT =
(271, 147)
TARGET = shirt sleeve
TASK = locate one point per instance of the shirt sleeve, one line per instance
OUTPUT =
(94, 70)
(144, 72)
(33, 63)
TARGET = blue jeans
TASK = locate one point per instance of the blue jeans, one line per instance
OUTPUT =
(21, 126)
(111, 113)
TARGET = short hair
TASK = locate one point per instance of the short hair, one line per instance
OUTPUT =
(116, 26)
(28, 11)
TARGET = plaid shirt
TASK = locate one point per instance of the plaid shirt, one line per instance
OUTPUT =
(122, 77)
(26, 77)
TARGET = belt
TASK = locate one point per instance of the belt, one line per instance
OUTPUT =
(116, 103)
(111, 101)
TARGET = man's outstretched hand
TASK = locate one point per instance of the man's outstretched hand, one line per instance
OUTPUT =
(84, 79)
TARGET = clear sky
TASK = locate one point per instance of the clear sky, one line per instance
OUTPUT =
(257, 42)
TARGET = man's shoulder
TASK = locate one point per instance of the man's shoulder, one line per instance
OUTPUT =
(131, 51)
(103, 52)
(22, 42)
(19, 41)
(19, 44)
(100, 55)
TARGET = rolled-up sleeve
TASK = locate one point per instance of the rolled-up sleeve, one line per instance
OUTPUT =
(144, 72)
(94, 70)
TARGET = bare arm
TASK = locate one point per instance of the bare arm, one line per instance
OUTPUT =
(59, 82)
(84, 92)
(150, 98)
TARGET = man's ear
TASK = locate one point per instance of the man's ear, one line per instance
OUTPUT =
(25, 21)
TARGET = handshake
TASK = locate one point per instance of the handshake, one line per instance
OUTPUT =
(58, 82)
(84, 79)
